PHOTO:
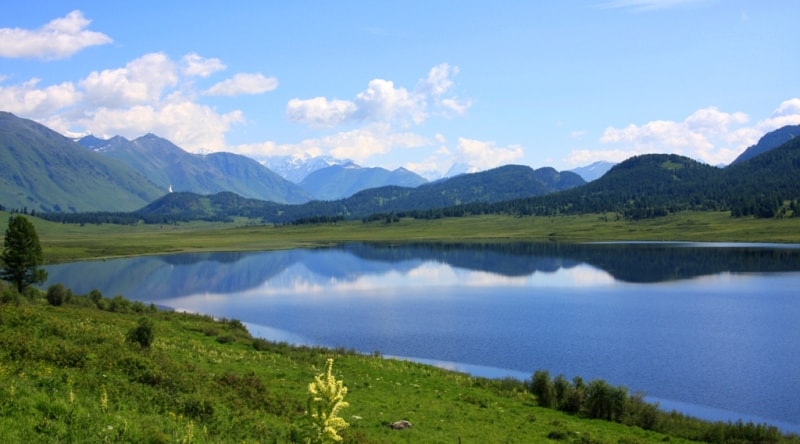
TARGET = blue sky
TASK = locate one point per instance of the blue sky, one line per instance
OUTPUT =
(419, 84)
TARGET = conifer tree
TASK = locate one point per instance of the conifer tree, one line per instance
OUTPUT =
(22, 254)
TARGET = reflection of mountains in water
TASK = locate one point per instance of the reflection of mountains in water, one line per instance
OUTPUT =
(165, 277)
(638, 262)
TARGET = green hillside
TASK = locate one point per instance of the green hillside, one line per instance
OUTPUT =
(655, 185)
(45, 171)
(171, 167)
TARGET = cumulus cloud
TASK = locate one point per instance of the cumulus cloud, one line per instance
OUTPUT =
(320, 112)
(187, 124)
(359, 144)
(142, 80)
(28, 99)
(383, 101)
(58, 39)
(196, 66)
(788, 113)
(152, 93)
(243, 83)
(709, 135)
(485, 154)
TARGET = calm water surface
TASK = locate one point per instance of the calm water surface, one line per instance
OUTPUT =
(708, 329)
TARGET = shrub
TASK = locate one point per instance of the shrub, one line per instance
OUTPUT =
(58, 294)
(604, 401)
(119, 304)
(543, 388)
(143, 333)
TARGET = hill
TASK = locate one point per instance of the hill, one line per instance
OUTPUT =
(172, 168)
(45, 171)
(499, 184)
(658, 184)
(769, 141)
(341, 181)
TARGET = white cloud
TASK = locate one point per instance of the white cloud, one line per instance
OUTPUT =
(141, 81)
(320, 112)
(788, 113)
(485, 154)
(189, 125)
(243, 83)
(149, 94)
(28, 100)
(382, 101)
(58, 39)
(196, 66)
(708, 135)
(358, 144)
(361, 144)
(438, 82)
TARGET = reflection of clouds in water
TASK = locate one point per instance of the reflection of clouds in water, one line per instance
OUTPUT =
(579, 276)
(433, 274)
(298, 282)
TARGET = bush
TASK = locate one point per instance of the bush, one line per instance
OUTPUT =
(119, 304)
(58, 294)
(143, 333)
(8, 294)
(543, 388)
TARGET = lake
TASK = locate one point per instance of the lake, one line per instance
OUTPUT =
(712, 330)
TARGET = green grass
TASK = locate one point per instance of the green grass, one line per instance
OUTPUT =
(65, 242)
(68, 375)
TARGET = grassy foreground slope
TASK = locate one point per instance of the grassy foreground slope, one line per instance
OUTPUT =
(67, 242)
(67, 374)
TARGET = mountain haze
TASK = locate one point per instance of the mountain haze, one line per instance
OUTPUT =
(296, 167)
(341, 181)
(593, 171)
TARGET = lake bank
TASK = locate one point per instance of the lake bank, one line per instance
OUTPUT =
(65, 242)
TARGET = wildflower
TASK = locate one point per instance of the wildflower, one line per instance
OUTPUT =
(325, 400)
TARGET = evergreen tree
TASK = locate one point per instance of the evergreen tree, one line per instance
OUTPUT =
(22, 254)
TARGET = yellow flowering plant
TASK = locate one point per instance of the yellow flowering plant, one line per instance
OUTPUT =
(325, 400)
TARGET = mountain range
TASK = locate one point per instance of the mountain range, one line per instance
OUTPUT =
(344, 180)
(172, 169)
(153, 179)
(47, 172)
